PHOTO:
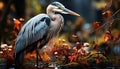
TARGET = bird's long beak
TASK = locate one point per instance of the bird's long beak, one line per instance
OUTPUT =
(67, 11)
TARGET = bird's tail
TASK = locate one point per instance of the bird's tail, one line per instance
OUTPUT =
(19, 58)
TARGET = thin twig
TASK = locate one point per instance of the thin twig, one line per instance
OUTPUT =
(107, 21)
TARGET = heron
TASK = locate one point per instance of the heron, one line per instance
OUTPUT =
(37, 31)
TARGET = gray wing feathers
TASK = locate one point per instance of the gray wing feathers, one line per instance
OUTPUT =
(31, 32)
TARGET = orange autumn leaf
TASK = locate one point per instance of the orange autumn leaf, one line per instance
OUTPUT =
(107, 14)
(116, 38)
(97, 61)
(45, 57)
(107, 37)
(96, 24)
(18, 24)
(22, 19)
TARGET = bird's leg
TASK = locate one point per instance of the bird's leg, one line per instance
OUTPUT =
(37, 53)
(41, 59)
(37, 56)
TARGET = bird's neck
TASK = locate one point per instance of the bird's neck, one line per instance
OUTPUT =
(50, 12)
(52, 15)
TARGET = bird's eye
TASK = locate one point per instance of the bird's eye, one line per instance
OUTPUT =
(59, 7)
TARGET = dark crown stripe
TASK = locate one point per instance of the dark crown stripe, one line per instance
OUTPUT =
(55, 3)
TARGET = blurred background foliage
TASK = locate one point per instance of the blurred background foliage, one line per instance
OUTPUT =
(90, 11)
(98, 25)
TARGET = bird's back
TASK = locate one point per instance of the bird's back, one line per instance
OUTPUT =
(34, 30)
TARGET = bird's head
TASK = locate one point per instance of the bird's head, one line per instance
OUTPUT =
(58, 7)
